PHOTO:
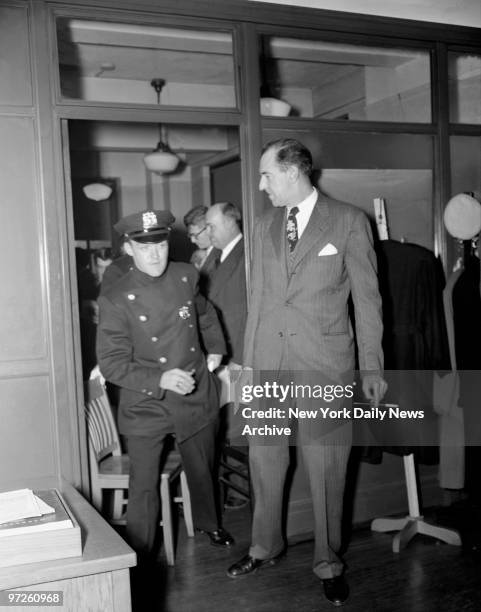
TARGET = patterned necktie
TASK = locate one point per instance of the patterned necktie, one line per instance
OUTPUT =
(291, 228)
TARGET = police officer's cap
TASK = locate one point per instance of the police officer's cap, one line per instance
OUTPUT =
(146, 226)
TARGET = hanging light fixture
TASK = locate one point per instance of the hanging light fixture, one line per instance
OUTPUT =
(162, 160)
(97, 191)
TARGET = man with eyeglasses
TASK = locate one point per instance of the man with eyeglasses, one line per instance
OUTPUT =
(205, 258)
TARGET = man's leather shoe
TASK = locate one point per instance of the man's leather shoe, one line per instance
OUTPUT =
(220, 537)
(248, 565)
(336, 590)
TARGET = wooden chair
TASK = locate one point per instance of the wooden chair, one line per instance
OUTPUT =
(109, 470)
(234, 461)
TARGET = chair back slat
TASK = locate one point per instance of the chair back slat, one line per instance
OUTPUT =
(101, 426)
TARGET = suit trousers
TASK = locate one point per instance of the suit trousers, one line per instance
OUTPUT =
(325, 461)
(145, 452)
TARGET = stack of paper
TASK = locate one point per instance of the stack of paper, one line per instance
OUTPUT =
(21, 504)
(36, 527)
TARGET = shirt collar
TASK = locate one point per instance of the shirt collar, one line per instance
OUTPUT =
(306, 203)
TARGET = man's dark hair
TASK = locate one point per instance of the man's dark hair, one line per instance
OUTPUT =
(230, 210)
(291, 152)
(195, 216)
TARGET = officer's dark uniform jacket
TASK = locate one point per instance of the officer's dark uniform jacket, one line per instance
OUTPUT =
(148, 326)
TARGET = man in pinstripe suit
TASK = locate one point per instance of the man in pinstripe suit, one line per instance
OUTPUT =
(310, 253)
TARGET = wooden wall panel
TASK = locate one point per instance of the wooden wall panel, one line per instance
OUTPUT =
(27, 435)
(23, 324)
(29, 441)
(14, 54)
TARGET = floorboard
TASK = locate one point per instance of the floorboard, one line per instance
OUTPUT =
(426, 576)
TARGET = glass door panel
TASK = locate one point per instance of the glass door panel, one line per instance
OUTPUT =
(102, 61)
(464, 88)
(326, 80)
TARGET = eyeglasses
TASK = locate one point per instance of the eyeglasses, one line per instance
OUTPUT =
(197, 234)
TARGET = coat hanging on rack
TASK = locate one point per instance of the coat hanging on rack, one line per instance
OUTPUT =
(415, 339)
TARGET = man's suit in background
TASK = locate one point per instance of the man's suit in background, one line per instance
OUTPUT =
(298, 320)
(207, 270)
(227, 291)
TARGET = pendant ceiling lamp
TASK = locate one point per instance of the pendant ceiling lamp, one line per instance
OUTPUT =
(161, 160)
(97, 191)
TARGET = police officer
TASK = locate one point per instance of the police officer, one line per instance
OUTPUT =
(148, 344)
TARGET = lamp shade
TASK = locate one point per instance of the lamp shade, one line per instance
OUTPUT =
(161, 161)
(97, 191)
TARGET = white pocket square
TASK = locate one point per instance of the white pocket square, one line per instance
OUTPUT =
(329, 249)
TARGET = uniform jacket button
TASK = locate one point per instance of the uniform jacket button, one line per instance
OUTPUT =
(143, 318)
(144, 390)
(149, 392)
(131, 296)
(162, 360)
(154, 339)
(192, 348)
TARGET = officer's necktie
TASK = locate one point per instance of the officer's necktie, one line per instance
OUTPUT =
(291, 228)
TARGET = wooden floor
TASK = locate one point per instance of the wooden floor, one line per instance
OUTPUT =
(426, 576)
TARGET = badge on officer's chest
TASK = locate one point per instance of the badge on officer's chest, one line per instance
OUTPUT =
(184, 312)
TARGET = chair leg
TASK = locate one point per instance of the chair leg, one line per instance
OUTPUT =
(117, 503)
(184, 488)
(167, 528)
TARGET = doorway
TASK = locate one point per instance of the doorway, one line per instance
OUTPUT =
(109, 157)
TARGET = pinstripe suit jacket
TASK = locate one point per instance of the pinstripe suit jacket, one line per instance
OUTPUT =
(301, 309)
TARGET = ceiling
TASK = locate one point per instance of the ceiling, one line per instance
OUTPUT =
(197, 144)
(141, 53)
(452, 12)
(106, 50)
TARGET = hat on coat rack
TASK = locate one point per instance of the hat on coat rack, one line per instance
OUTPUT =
(462, 216)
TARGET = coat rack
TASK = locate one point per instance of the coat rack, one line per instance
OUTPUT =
(413, 523)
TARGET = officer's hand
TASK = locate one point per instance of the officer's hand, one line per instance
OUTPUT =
(374, 388)
(177, 380)
(213, 361)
